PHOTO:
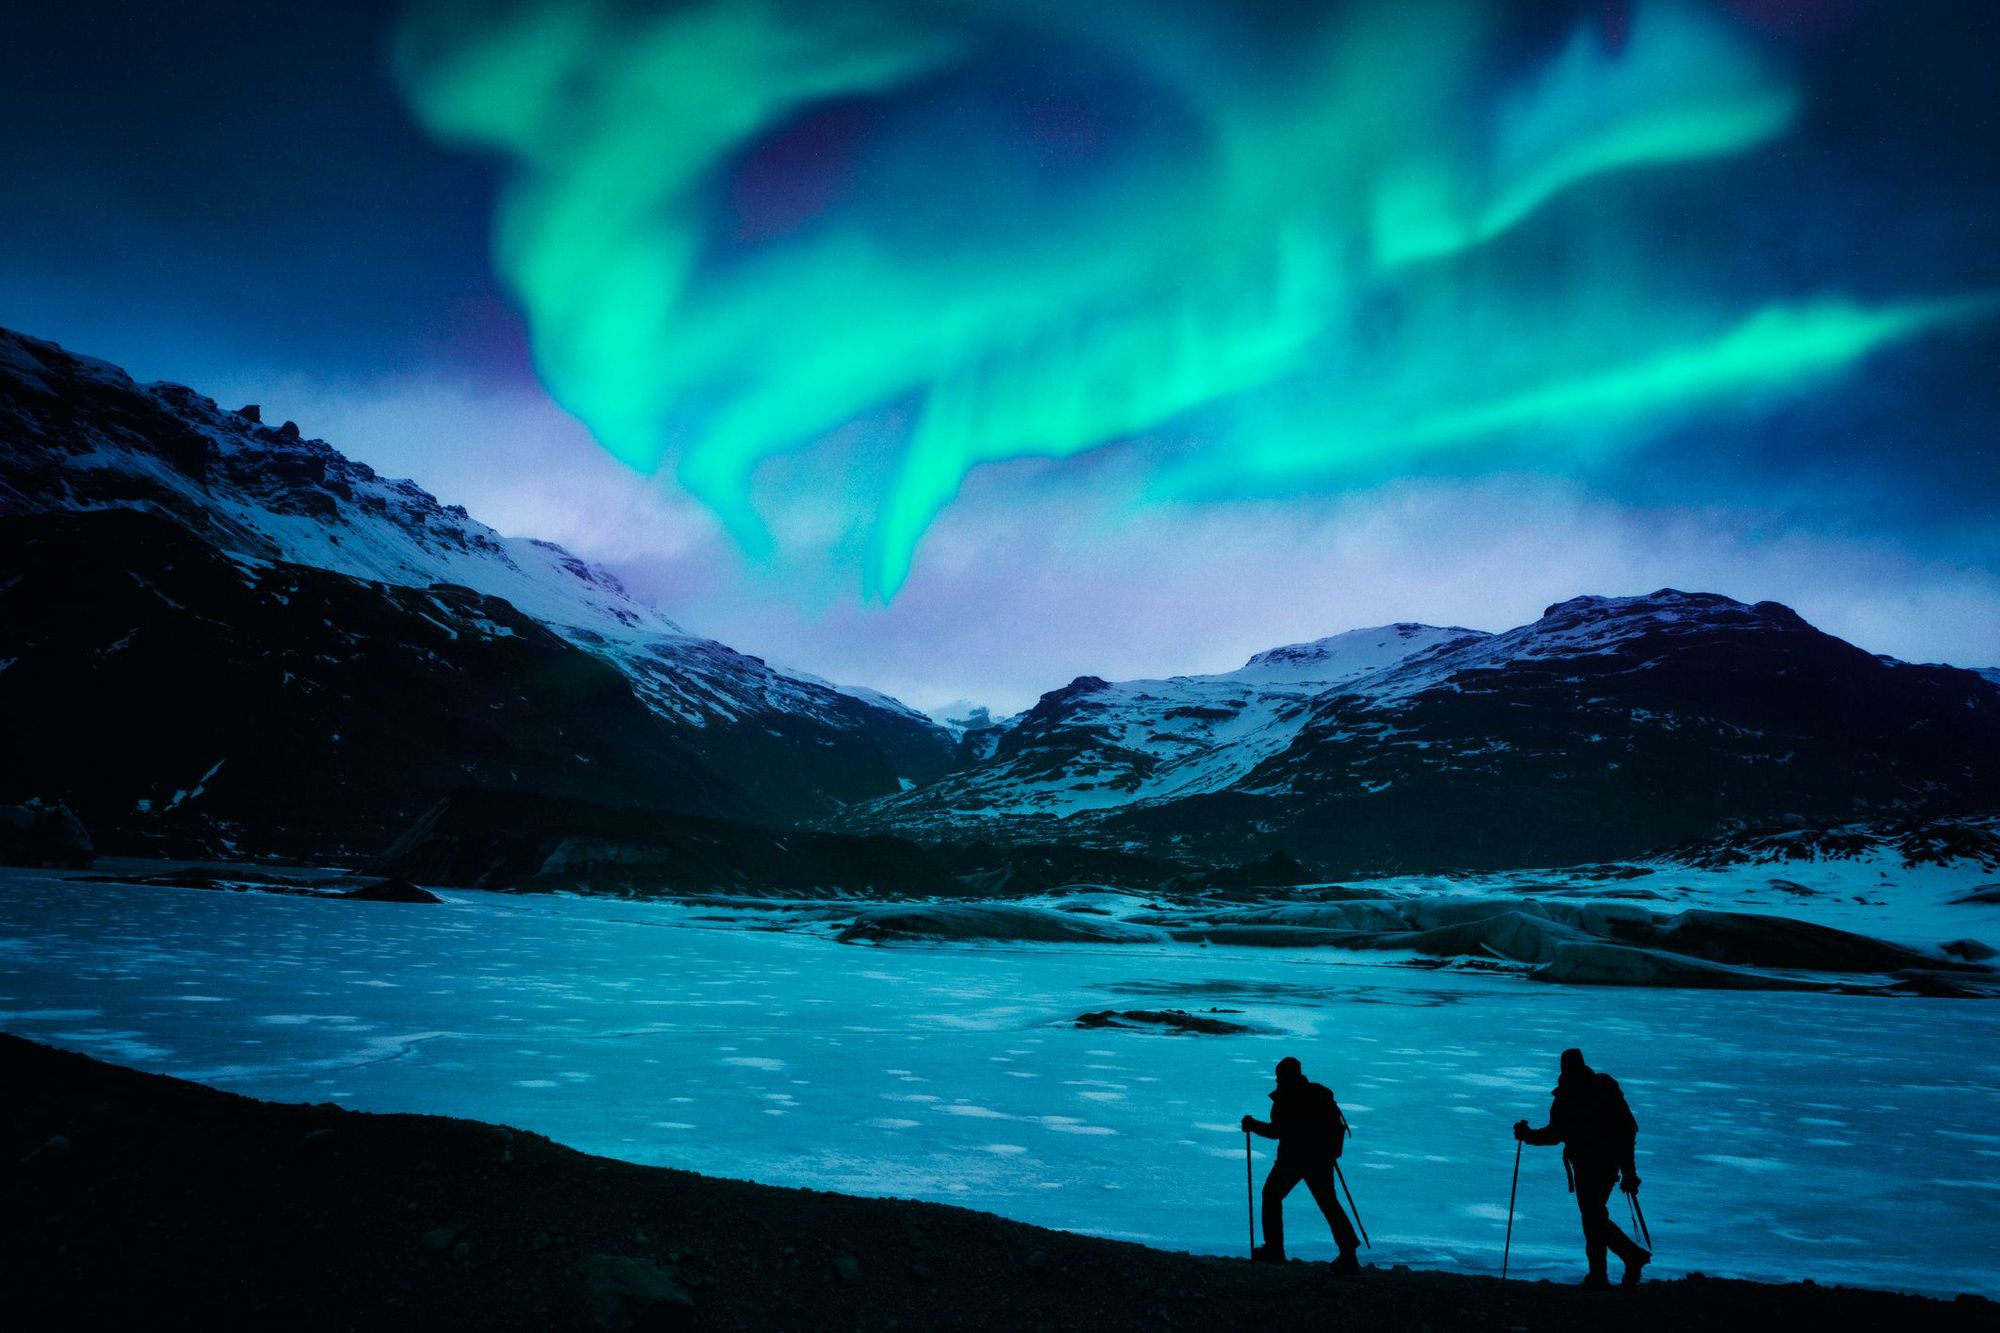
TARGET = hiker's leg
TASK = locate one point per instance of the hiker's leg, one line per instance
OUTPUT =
(1617, 1241)
(1276, 1186)
(1593, 1191)
(1327, 1195)
(1609, 1234)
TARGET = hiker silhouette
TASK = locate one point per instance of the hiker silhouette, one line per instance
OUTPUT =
(1599, 1134)
(1306, 1122)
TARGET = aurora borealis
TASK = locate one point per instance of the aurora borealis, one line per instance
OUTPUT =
(959, 346)
(735, 228)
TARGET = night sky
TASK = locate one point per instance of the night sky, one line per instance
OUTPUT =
(961, 348)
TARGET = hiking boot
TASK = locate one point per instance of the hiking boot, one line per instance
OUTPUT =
(1347, 1265)
(1265, 1254)
(1596, 1282)
(1632, 1267)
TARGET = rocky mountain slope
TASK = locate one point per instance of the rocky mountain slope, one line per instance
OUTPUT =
(1904, 844)
(1608, 727)
(183, 702)
(258, 626)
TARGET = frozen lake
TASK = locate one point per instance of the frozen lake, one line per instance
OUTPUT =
(1847, 1139)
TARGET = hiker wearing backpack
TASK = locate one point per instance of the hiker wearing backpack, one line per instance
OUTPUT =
(1590, 1119)
(1309, 1128)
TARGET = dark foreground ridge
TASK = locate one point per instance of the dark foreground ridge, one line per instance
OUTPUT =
(134, 1200)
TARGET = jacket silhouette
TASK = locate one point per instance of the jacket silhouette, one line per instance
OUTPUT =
(1309, 1128)
(1599, 1135)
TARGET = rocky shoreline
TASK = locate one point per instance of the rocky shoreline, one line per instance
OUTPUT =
(133, 1199)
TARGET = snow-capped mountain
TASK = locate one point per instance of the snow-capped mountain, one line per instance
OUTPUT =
(1610, 726)
(284, 650)
(79, 438)
(1093, 744)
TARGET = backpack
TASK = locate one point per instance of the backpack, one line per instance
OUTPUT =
(1333, 1117)
(1618, 1112)
(1610, 1128)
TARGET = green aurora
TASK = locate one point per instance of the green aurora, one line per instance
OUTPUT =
(1036, 228)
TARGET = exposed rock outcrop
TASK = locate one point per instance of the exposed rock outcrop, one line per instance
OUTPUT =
(44, 835)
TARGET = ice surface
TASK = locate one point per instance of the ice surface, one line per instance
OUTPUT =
(1784, 1135)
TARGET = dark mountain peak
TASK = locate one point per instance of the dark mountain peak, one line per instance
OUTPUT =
(1779, 613)
(1053, 702)
(1662, 601)
(1666, 611)
(31, 361)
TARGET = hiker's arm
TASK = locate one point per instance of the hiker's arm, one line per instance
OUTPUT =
(1263, 1129)
(1547, 1136)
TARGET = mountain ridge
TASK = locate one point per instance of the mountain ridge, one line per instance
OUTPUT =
(1609, 726)
(79, 436)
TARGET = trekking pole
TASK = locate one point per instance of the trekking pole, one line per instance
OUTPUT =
(1249, 1194)
(1362, 1226)
(1508, 1253)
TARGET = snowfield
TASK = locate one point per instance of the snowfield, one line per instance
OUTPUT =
(703, 1037)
